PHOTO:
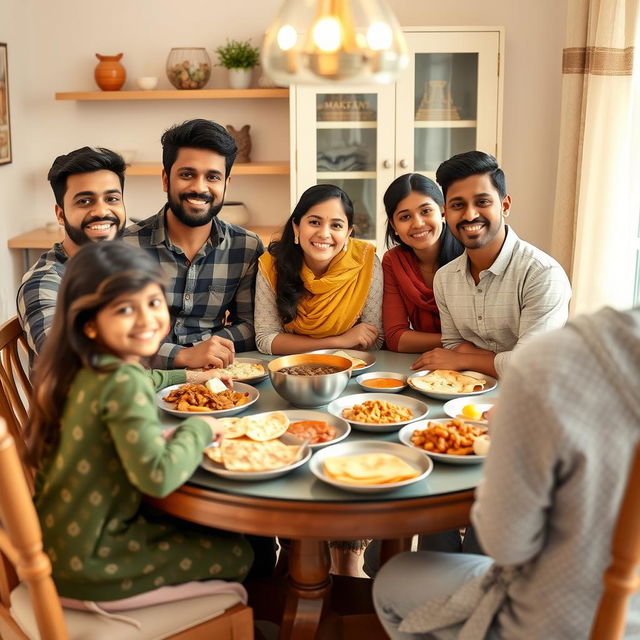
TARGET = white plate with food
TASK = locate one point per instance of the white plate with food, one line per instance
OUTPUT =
(469, 410)
(322, 429)
(361, 360)
(378, 412)
(382, 382)
(186, 400)
(247, 370)
(445, 384)
(441, 435)
(246, 460)
(370, 466)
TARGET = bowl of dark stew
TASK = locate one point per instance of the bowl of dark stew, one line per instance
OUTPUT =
(310, 380)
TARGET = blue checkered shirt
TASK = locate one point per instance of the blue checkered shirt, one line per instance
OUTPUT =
(38, 293)
(220, 279)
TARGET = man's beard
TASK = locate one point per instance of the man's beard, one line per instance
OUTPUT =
(194, 220)
(78, 236)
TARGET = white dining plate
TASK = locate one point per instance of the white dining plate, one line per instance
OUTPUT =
(253, 379)
(419, 462)
(405, 437)
(369, 358)
(342, 427)
(491, 384)
(241, 387)
(418, 408)
(453, 408)
(248, 476)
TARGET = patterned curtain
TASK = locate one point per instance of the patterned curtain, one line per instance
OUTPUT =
(598, 182)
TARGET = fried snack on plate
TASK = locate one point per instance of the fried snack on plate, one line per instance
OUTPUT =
(454, 438)
(369, 468)
(377, 412)
(447, 381)
(197, 397)
(248, 455)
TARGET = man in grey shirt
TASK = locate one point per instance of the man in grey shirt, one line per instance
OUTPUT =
(502, 290)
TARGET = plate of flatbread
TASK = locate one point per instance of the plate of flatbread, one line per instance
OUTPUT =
(445, 384)
(370, 466)
(248, 370)
(360, 360)
(256, 447)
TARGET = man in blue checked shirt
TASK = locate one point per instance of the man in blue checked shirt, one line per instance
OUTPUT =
(88, 185)
(211, 265)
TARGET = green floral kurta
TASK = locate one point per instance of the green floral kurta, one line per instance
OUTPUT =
(103, 542)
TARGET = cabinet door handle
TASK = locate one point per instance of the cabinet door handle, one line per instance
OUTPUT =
(403, 163)
(387, 164)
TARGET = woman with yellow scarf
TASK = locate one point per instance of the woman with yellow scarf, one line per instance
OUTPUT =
(317, 287)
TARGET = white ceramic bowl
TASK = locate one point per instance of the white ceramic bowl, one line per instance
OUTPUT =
(400, 377)
(147, 83)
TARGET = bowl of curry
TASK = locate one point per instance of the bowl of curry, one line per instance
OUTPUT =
(382, 381)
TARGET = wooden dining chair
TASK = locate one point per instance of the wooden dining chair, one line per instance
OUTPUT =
(621, 577)
(15, 388)
(29, 604)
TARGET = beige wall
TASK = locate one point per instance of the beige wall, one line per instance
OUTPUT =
(52, 46)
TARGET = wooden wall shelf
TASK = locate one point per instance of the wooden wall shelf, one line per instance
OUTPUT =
(239, 169)
(174, 94)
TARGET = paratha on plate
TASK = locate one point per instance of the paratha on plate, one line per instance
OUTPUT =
(267, 427)
(247, 455)
(447, 381)
(369, 468)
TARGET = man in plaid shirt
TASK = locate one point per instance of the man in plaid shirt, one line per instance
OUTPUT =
(211, 265)
(88, 186)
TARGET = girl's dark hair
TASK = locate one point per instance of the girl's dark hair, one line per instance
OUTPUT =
(288, 256)
(96, 275)
(397, 191)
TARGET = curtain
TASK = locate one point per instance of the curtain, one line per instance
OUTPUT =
(597, 191)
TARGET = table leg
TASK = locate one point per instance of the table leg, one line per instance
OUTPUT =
(389, 548)
(309, 585)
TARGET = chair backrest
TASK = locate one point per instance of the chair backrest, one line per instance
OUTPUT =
(621, 577)
(15, 388)
(21, 546)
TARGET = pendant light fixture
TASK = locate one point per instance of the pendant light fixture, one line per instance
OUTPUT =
(316, 41)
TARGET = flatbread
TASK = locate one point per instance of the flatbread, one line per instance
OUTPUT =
(356, 363)
(268, 427)
(233, 427)
(245, 455)
(446, 381)
(243, 370)
(369, 468)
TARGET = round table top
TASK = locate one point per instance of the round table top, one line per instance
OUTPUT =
(302, 485)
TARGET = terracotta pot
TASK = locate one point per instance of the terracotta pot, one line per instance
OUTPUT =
(110, 74)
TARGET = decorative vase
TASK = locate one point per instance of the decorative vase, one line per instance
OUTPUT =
(243, 142)
(239, 78)
(110, 74)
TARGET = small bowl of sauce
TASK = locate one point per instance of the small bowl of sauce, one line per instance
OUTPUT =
(387, 381)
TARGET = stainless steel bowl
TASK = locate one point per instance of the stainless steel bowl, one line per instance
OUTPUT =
(310, 391)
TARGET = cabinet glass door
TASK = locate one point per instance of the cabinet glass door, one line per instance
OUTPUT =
(346, 145)
(447, 101)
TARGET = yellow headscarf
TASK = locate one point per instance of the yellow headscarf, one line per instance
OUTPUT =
(334, 302)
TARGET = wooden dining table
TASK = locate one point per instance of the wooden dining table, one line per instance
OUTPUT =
(309, 512)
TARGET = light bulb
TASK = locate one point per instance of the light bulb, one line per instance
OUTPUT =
(379, 36)
(326, 34)
(287, 37)
(312, 41)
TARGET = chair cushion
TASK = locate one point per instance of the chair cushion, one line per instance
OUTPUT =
(157, 622)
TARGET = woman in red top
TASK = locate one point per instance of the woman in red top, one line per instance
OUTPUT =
(415, 223)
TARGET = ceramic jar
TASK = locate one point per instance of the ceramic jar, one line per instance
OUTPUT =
(239, 78)
(110, 74)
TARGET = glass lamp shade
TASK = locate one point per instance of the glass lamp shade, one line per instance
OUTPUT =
(315, 41)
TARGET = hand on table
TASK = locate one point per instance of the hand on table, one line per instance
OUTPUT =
(440, 359)
(362, 336)
(215, 351)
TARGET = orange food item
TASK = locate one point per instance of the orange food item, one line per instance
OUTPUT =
(382, 383)
(316, 430)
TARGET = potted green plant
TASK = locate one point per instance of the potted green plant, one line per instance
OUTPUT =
(239, 58)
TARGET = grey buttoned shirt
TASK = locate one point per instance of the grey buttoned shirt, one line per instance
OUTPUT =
(523, 293)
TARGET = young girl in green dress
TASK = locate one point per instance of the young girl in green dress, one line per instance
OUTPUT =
(97, 444)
